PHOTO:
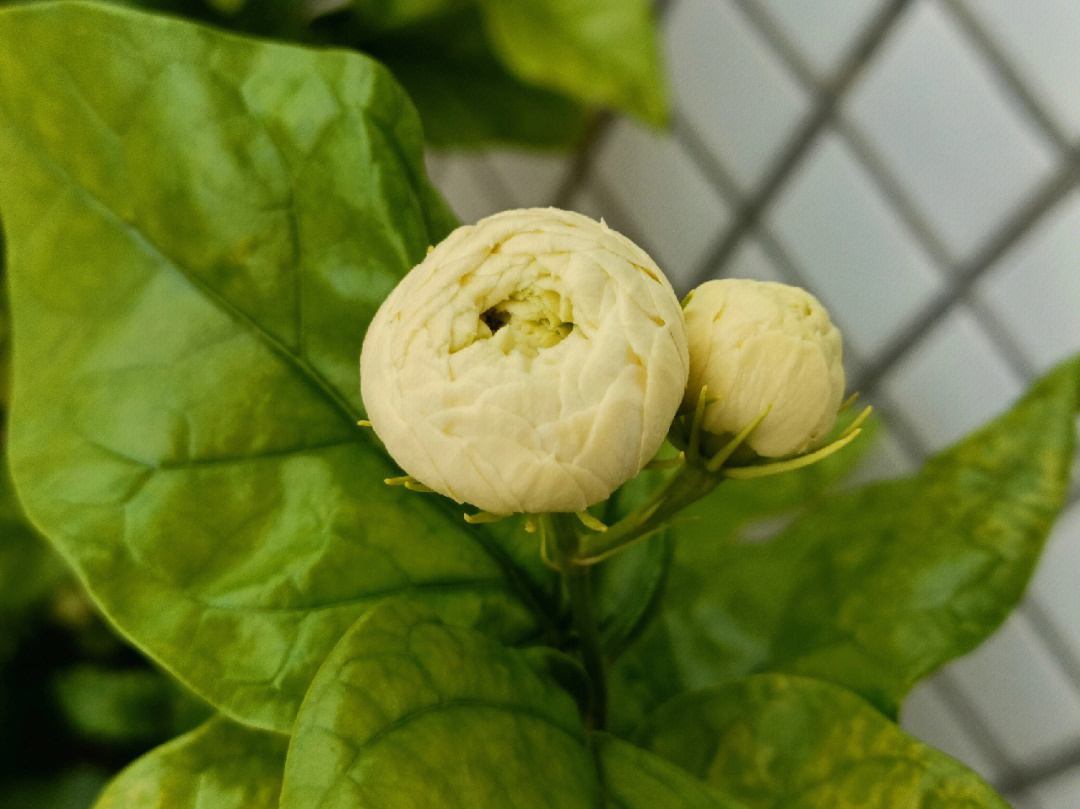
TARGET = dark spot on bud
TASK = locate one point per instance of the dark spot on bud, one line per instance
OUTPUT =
(493, 319)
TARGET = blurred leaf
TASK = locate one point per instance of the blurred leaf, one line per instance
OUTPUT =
(189, 300)
(126, 706)
(601, 52)
(73, 789)
(781, 742)
(874, 588)
(466, 96)
(219, 765)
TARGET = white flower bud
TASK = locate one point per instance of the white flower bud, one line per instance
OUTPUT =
(532, 362)
(759, 345)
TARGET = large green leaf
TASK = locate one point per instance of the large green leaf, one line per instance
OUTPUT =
(874, 588)
(219, 765)
(199, 228)
(601, 52)
(410, 712)
(775, 741)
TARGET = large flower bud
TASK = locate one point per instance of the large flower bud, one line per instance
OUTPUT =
(532, 362)
(761, 345)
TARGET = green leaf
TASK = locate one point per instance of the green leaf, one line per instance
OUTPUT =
(877, 587)
(636, 779)
(407, 711)
(782, 742)
(124, 706)
(600, 52)
(219, 765)
(199, 228)
(467, 97)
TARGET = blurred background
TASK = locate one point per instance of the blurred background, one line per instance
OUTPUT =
(915, 164)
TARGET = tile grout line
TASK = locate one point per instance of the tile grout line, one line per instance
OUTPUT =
(968, 717)
(1065, 658)
(827, 101)
(1005, 73)
(1054, 765)
(964, 276)
(900, 201)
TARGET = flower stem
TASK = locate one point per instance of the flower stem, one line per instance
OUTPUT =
(578, 582)
(688, 484)
(579, 588)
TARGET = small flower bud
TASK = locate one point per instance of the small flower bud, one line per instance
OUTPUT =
(761, 346)
(532, 362)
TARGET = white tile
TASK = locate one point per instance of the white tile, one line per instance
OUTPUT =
(673, 206)
(1056, 585)
(463, 185)
(750, 260)
(954, 141)
(1060, 792)
(870, 272)
(532, 178)
(1019, 693)
(952, 381)
(1040, 41)
(929, 717)
(733, 91)
(586, 201)
(823, 31)
(1035, 288)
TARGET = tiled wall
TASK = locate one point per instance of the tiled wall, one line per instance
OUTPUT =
(917, 166)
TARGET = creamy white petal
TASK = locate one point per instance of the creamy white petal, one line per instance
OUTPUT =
(532, 362)
(760, 344)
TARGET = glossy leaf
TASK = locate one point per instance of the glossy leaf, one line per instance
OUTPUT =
(601, 52)
(874, 588)
(219, 765)
(786, 742)
(199, 228)
(410, 712)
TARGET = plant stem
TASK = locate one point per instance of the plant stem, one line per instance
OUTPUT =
(578, 582)
(689, 484)
(579, 587)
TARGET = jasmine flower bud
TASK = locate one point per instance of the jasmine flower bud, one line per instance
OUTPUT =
(758, 347)
(532, 362)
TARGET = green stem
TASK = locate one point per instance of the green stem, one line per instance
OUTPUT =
(579, 587)
(578, 582)
(689, 484)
